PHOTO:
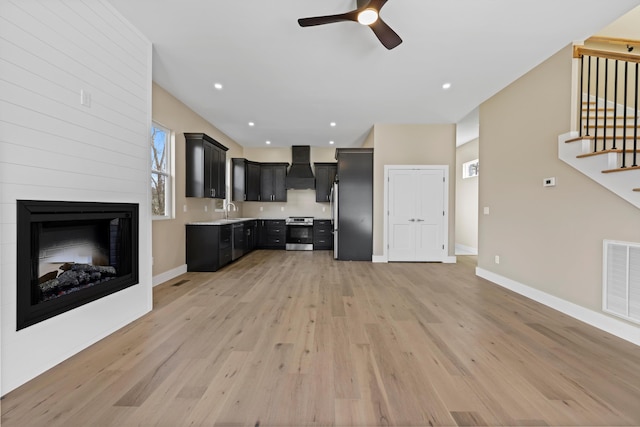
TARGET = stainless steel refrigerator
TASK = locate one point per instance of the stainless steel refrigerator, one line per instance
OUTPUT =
(353, 205)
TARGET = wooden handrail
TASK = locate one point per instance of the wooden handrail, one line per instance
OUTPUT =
(579, 51)
(614, 40)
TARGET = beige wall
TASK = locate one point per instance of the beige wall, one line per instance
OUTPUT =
(626, 27)
(466, 197)
(368, 142)
(411, 145)
(169, 235)
(547, 238)
(299, 202)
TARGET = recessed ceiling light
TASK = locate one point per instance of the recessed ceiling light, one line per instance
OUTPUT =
(446, 86)
(331, 142)
(332, 124)
(218, 86)
(251, 124)
(268, 142)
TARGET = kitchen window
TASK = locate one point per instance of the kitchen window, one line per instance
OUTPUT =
(161, 172)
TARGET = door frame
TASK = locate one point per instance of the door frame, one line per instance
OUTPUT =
(445, 168)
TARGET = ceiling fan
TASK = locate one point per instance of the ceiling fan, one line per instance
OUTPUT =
(366, 13)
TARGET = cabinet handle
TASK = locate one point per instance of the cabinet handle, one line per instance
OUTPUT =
(420, 220)
(412, 220)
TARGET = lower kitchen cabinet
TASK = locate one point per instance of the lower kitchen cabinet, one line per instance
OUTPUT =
(322, 236)
(251, 236)
(208, 247)
(273, 233)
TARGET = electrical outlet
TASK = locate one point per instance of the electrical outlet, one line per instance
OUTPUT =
(184, 208)
(324, 209)
(261, 208)
(497, 259)
(486, 210)
(206, 208)
(549, 182)
(281, 208)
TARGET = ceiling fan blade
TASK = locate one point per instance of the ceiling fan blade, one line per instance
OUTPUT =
(385, 34)
(329, 19)
(376, 4)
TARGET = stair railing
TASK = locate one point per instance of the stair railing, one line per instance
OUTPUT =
(596, 87)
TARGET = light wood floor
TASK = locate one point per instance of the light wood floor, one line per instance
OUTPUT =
(298, 339)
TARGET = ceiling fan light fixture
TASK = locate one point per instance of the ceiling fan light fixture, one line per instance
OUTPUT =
(368, 16)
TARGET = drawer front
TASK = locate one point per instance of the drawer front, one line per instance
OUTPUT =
(320, 244)
(225, 236)
(225, 256)
(277, 231)
(276, 241)
(274, 223)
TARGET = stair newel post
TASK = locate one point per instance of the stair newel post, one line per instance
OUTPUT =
(624, 126)
(606, 102)
(615, 106)
(635, 122)
(588, 92)
(595, 132)
(581, 100)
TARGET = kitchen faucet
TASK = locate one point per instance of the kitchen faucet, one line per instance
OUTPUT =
(226, 209)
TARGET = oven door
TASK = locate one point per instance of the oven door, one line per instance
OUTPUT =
(299, 237)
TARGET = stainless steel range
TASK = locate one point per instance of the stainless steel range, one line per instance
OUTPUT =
(299, 233)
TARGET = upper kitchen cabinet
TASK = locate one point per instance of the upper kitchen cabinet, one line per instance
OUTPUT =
(272, 182)
(246, 180)
(205, 166)
(325, 175)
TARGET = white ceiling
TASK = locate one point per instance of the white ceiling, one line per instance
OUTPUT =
(292, 81)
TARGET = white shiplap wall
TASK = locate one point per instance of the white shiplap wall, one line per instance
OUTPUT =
(54, 148)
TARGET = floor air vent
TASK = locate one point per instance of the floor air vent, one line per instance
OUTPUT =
(621, 280)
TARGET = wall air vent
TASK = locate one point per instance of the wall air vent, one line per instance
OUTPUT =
(621, 279)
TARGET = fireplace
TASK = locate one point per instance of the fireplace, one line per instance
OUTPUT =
(72, 253)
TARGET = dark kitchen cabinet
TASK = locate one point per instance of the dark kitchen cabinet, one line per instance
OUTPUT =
(246, 180)
(208, 247)
(251, 236)
(322, 236)
(273, 233)
(325, 175)
(205, 166)
(272, 182)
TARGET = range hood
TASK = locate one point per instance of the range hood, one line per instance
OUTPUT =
(300, 176)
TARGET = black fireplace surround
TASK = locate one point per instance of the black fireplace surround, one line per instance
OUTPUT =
(72, 253)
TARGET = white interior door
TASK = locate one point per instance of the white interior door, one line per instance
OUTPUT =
(416, 215)
(430, 215)
(402, 210)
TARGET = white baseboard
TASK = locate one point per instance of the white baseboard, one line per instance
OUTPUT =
(168, 275)
(379, 258)
(598, 320)
(383, 258)
(465, 250)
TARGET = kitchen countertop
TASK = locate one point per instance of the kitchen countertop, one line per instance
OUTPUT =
(236, 220)
(222, 221)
